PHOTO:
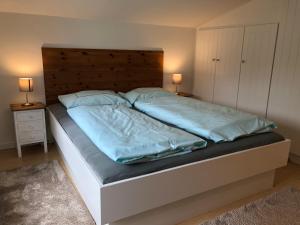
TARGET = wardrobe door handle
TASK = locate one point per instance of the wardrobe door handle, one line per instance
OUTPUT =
(214, 59)
(243, 61)
(218, 60)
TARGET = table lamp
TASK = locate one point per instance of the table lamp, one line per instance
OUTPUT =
(177, 80)
(26, 85)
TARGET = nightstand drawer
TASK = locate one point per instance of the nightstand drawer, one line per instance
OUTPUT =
(31, 137)
(30, 127)
(29, 115)
(33, 125)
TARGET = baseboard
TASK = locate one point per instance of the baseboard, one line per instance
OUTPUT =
(295, 158)
(7, 145)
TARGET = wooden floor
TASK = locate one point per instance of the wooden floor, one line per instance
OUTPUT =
(288, 176)
(31, 155)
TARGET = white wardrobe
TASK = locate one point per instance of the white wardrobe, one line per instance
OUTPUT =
(234, 66)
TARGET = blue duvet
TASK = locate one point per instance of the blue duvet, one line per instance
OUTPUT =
(211, 121)
(128, 136)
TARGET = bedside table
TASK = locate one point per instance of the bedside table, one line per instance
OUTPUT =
(30, 126)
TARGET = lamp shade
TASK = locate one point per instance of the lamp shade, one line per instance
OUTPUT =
(177, 78)
(25, 84)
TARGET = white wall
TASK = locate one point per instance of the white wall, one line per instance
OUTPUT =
(284, 103)
(23, 35)
(254, 12)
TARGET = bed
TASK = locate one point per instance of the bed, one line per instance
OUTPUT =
(163, 192)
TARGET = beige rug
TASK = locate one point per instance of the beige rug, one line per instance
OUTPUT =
(280, 208)
(40, 195)
(43, 195)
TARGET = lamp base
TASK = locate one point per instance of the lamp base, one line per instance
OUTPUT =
(27, 104)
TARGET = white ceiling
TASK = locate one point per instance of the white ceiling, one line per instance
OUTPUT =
(187, 13)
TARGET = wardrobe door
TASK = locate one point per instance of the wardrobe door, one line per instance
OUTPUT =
(229, 51)
(206, 47)
(256, 68)
(284, 104)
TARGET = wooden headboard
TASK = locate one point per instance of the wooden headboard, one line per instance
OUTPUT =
(69, 70)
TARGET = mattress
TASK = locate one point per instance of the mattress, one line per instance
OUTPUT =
(109, 171)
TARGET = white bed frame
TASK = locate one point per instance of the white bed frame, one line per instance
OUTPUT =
(172, 195)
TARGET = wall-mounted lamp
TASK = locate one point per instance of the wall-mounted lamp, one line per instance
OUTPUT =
(26, 85)
(177, 80)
